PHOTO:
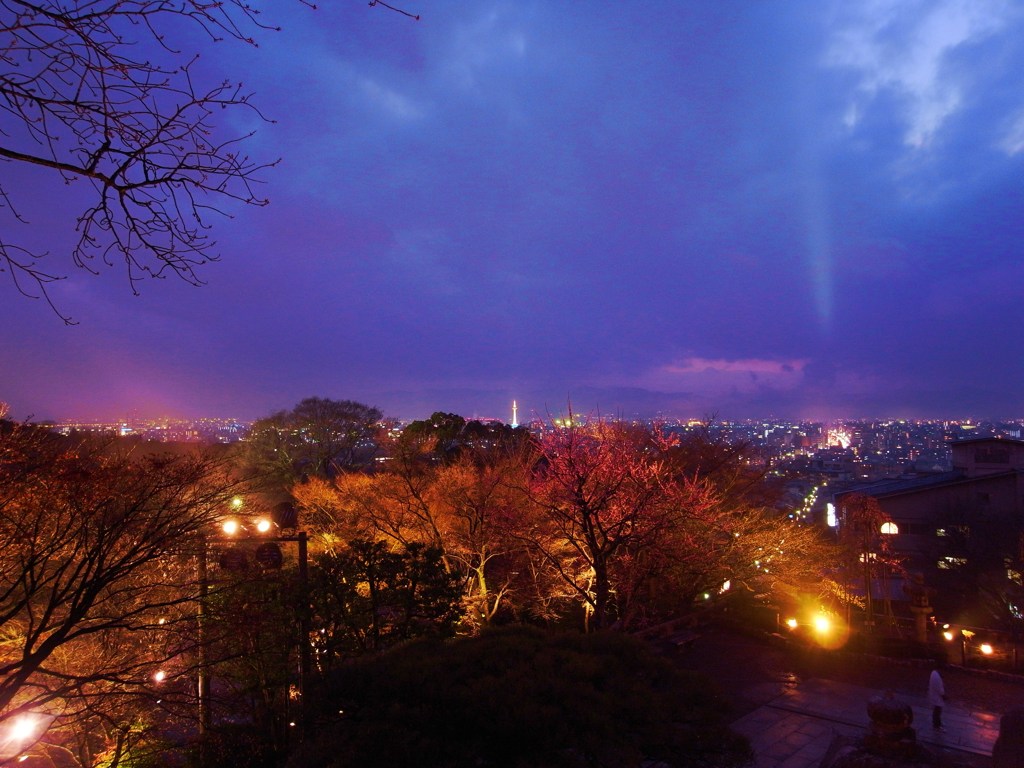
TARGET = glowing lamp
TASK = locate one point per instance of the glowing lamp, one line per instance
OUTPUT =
(986, 649)
(24, 730)
(231, 527)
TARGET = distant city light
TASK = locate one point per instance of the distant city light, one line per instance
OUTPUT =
(839, 437)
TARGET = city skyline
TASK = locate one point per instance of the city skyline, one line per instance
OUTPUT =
(694, 210)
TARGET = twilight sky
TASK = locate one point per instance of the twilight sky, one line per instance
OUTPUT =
(806, 210)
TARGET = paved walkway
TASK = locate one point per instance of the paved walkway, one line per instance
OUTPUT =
(796, 728)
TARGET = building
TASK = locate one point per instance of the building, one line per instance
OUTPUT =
(963, 530)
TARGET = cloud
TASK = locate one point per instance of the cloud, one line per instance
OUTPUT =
(390, 101)
(478, 46)
(711, 375)
(1013, 139)
(754, 366)
(904, 50)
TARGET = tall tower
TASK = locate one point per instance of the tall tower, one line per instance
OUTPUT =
(515, 415)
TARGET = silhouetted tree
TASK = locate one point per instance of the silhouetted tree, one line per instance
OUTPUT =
(367, 597)
(448, 436)
(101, 95)
(319, 437)
(438, 435)
(867, 549)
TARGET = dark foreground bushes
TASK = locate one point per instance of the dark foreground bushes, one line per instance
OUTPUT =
(519, 697)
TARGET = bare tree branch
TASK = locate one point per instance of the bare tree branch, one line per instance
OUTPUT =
(95, 91)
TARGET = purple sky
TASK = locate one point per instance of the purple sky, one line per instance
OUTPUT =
(806, 210)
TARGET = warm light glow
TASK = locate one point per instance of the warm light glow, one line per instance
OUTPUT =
(840, 437)
(890, 528)
(830, 515)
(236, 502)
(231, 527)
(25, 728)
(159, 676)
(791, 623)
(263, 525)
(986, 649)
(948, 635)
(822, 623)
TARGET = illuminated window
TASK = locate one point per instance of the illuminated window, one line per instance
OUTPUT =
(949, 563)
(890, 529)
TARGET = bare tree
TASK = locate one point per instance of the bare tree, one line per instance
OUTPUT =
(480, 506)
(639, 536)
(599, 494)
(97, 93)
(96, 592)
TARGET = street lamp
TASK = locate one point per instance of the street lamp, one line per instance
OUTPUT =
(20, 733)
(268, 555)
(822, 625)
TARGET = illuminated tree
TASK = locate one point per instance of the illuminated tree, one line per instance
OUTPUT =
(96, 592)
(641, 531)
(481, 510)
(740, 540)
(728, 466)
(471, 508)
(599, 494)
(394, 505)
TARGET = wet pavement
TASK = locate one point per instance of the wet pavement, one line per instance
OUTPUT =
(796, 728)
(796, 704)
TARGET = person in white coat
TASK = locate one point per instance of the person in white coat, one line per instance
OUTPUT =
(936, 698)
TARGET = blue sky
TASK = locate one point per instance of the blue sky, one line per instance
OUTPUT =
(805, 210)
